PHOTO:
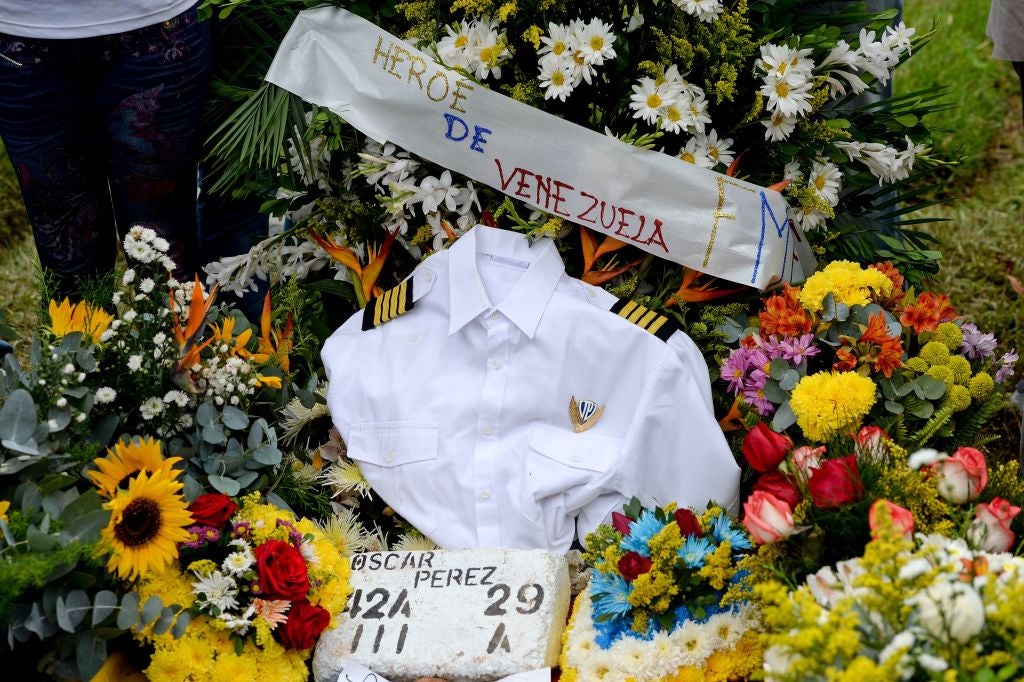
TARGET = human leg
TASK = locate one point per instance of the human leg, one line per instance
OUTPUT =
(52, 142)
(151, 102)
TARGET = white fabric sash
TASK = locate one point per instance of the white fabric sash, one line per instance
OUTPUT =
(391, 91)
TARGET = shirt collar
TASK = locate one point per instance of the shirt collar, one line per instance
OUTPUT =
(528, 298)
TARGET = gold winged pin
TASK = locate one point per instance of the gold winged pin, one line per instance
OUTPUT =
(584, 414)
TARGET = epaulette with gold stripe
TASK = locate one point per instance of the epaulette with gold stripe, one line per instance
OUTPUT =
(645, 318)
(388, 306)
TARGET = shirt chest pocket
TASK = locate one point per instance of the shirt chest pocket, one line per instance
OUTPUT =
(384, 449)
(561, 459)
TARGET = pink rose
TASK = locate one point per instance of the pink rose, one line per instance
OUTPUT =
(990, 530)
(963, 476)
(764, 448)
(768, 518)
(902, 519)
(806, 459)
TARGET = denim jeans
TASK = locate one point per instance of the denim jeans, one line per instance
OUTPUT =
(104, 133)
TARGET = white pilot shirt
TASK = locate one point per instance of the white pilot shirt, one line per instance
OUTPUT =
(458, 410)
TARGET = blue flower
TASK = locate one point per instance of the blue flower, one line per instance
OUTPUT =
(682, 614)
(610, 594)
(695, 550)
(722, 530)
(640, 533)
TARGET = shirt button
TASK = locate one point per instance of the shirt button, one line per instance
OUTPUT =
(495, 363)
(485, 494)
(487, 429)
(389, 456)
(493, 315)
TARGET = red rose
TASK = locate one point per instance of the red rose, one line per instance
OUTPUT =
(688, 523)
(633, 565)
(836, 483)
(212, 509)
(304, 625)
(282, 571)
(765, 449)
(781, 486)
(620, 522)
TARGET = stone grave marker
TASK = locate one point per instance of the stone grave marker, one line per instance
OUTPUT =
(474, 615)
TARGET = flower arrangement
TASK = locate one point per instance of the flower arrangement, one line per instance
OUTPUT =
(655, 608)
(811, 506)
(259, 587)
(850, 347)
(928, 607)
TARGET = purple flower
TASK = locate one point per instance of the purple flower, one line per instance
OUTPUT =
(202, 535)
(735, 367)
(753, 393)
(798, 348)
(1005, 371)
(241, 529)
(975, 344)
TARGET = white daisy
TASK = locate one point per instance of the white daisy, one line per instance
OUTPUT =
(826, 180)
(452, 48)
(146, 285)
(649, 98)
(782, 61)
(135, 363)
(558, 43)
(696, 153)
(161, 244)
(238, 563)
(787, 96)
(488, 49)
(705, 10)
(595, 43)
(699, 112)
(676, 117)
(778, 127)
(719, 149)
(556, 77)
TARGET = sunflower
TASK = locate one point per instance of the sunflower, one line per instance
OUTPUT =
(66, 318)
(128, 459)
(147, 522)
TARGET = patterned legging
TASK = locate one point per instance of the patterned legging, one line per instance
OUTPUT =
(104, 133)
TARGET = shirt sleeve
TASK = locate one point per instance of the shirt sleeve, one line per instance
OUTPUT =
(674, 451)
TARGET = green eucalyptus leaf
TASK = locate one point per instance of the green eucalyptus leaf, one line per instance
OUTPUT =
(247, 478)
(90, 653)
(922, 409)
(931, 388)
(57, 419)
(29, 451)
(789, 380)
(129, 613)
(150, 611)
(893, 407)
(103, 605)
(267, 455)
(17, 417)
(206, 414)
(164, 622)
(180, 625)
(214, 434)
(222, 484)
(784, 418)
(63, 617)
(234, 418)
(78, 606)
(778, 367)
(39, 541)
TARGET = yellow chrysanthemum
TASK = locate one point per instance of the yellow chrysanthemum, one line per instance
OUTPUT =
(827, 403)
(4, 506)
(128, 459)
(848, 283)
(147, 522)
(981, 386)
(90, 320)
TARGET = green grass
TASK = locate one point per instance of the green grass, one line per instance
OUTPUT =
(960, 56)
(19, 265)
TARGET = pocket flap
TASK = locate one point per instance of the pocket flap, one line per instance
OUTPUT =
(391, 444)
(577, 450)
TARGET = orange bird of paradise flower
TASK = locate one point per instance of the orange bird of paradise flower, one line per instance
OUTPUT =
(368, 274)
(187, 338)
